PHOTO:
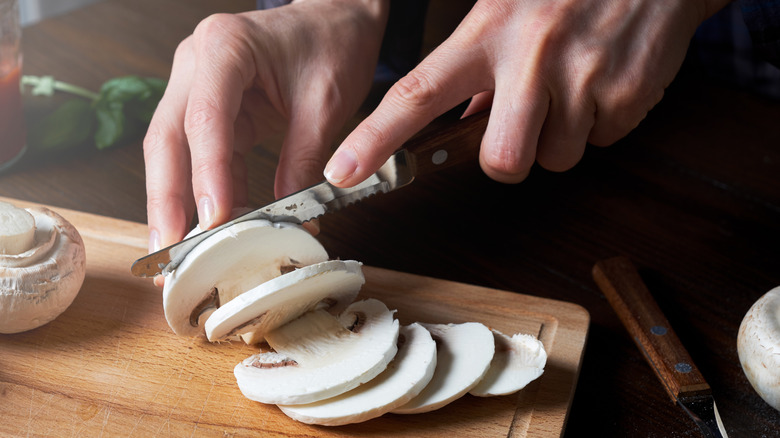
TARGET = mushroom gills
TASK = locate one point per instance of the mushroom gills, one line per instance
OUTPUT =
(518, 361)
(405, 377)
(463, 355)
(331, 285)
(233, 261)
(758, 346)
(320, 357)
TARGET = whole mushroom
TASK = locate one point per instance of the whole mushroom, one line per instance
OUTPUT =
(758, 346)
(42, 266)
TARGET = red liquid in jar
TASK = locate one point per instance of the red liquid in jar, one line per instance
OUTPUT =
(13, 134)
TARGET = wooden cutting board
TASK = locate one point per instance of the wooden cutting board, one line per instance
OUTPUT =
(110, 365)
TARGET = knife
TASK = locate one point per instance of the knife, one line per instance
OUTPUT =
(442, 145)
(619, 280)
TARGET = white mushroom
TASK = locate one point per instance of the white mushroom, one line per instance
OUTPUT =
(318, 356)
(333, 285)
(407, 375)
(518, 361)
(758, 346)
(463, 356)
(230, 262)
(42, 267)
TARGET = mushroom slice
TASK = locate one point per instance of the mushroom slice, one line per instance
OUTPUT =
(518, 361)
(758, 346)
(407, 375)
(463, 356)
(333, 284)
(230, 262)
(318, 355)
(39, 277)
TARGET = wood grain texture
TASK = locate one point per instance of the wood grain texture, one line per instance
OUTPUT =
(110, 366)
(626, 292)
(692, 196)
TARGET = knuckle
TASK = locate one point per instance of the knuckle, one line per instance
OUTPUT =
(416, 90)
(200, 114)
(218, 25)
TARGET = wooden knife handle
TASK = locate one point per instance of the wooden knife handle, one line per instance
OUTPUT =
(447, 144)
(619, 280)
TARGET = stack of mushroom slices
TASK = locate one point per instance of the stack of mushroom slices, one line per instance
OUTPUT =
(332, 360)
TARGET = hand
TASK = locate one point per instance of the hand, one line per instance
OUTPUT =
(556, 74)
(241, 78)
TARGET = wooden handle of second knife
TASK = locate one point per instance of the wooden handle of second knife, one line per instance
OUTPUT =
(619, 280)
(447, 144)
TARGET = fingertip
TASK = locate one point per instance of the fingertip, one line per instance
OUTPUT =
(503, 176)
(341, 167)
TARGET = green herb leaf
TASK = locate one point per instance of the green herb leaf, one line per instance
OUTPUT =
(124, 106)
(120, 111)
(67, 127)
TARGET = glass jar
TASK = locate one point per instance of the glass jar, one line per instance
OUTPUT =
(13, 134)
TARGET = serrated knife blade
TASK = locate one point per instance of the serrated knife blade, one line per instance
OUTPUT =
(437, 148)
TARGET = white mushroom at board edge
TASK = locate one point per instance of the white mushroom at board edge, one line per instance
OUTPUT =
(463, 355)
(758, 346)
(42, 266)
(518, 361)
(318, 356)
(231, 262)
(404, 378)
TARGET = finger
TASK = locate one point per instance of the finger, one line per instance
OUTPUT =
(565, 132)
(223, 70)
(621, 109)
(443, 80)
(479, 103)
(166, 157)
(312, 129)
(509, 146)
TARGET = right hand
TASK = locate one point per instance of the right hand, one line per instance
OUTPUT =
(241, 78)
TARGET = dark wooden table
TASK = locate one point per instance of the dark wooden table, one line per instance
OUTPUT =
(692, 196)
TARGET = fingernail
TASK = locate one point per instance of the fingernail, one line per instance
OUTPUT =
(154, 241)
(205, 212)
(341, 166)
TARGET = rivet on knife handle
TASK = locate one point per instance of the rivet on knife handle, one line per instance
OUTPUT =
(435, 148)
(626, 292)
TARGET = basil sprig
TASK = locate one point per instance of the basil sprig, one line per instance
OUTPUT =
(121, 111)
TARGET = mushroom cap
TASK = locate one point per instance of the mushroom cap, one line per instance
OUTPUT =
(758, 346)
(463, 356)
(404, 378)
(518, 361)
(318, 356)
(284, 298)
(37, 285)
(232, 261)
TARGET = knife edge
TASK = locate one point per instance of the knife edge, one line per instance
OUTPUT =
(299, 207)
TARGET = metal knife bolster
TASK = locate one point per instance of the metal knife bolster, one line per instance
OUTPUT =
(300, 207)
